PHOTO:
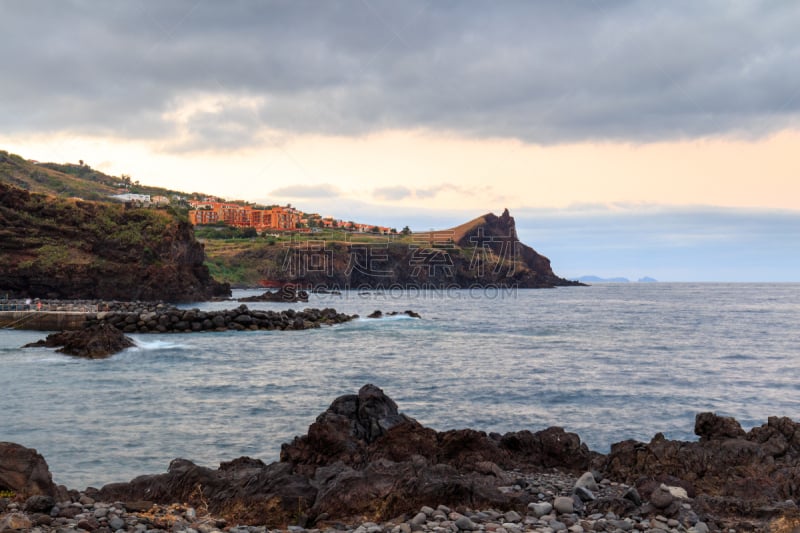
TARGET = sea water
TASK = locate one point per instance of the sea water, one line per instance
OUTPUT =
(609, 362)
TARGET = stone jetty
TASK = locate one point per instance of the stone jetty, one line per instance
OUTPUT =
(160, 317)
(364, 467)
(163, 318)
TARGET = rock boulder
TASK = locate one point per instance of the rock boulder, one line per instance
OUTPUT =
(93, 342)
(24, 472)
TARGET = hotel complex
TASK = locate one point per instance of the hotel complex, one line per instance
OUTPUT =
(275, 218)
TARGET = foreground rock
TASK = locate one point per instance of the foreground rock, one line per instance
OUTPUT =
(24, 472)
(94, 342)
(363, 457)
(728, 471)
(367, 468)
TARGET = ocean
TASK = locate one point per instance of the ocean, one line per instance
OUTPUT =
(609, 362)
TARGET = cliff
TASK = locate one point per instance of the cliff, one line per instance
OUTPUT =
(481, 253)
(58, 248)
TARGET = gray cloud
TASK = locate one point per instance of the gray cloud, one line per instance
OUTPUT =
(324, 190)
(392, 193)
(540, 72)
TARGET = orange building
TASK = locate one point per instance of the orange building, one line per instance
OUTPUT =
(274, 218)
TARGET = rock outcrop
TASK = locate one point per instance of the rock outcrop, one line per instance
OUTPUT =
(94, 342)
(288, 293)
(364, 460)
(728, 470)
(70, 249)
(362, 457)
(24, 472)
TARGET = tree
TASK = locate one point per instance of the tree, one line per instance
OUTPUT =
(406, 230)
(375, 229)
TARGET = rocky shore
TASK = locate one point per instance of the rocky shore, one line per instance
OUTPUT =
(364, 467)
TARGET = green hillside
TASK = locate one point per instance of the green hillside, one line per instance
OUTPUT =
(75, 249)
(69, 180)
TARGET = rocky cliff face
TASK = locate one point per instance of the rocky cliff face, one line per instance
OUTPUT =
(73, 249)
(484, 252)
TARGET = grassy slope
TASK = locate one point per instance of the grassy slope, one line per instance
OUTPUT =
(66, 180)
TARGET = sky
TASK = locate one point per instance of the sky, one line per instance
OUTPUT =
(627, 138)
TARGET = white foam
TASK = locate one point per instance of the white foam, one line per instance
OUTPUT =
(155, 345)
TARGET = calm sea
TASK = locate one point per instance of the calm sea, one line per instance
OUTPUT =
(610, 362)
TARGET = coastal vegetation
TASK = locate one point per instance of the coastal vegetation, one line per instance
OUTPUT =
(69, 248)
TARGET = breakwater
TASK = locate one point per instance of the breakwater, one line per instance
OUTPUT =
(174, 320)
(158, 317)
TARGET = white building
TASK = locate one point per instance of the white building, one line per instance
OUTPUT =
(130, 197)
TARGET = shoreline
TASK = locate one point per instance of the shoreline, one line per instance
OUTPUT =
(363, 461)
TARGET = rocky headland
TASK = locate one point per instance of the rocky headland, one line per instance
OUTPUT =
(69, 248)
(365, 467)
(484, 252)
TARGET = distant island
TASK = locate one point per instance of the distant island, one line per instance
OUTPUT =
(598, 279)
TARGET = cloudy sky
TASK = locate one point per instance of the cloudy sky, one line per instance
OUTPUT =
(628, 138)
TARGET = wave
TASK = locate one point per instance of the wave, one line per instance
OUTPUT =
(142, 345)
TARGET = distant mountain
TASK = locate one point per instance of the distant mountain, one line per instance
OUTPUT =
(597, 279)
(647, 279)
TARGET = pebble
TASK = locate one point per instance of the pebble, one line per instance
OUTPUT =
(661, 498)
(563, 504)
(540, 508)
(585, 494)
(420, 518)
(586, 481)
(464, 523)
(556, 511)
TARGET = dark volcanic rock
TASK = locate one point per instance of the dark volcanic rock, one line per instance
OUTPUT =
(731, 470)
(94, 342)
(360, 457)
(709, 426)
(344, 432)
(288, 293)
(363, 458)
(24, 472)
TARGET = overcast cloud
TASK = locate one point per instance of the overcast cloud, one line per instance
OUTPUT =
(542, 72)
